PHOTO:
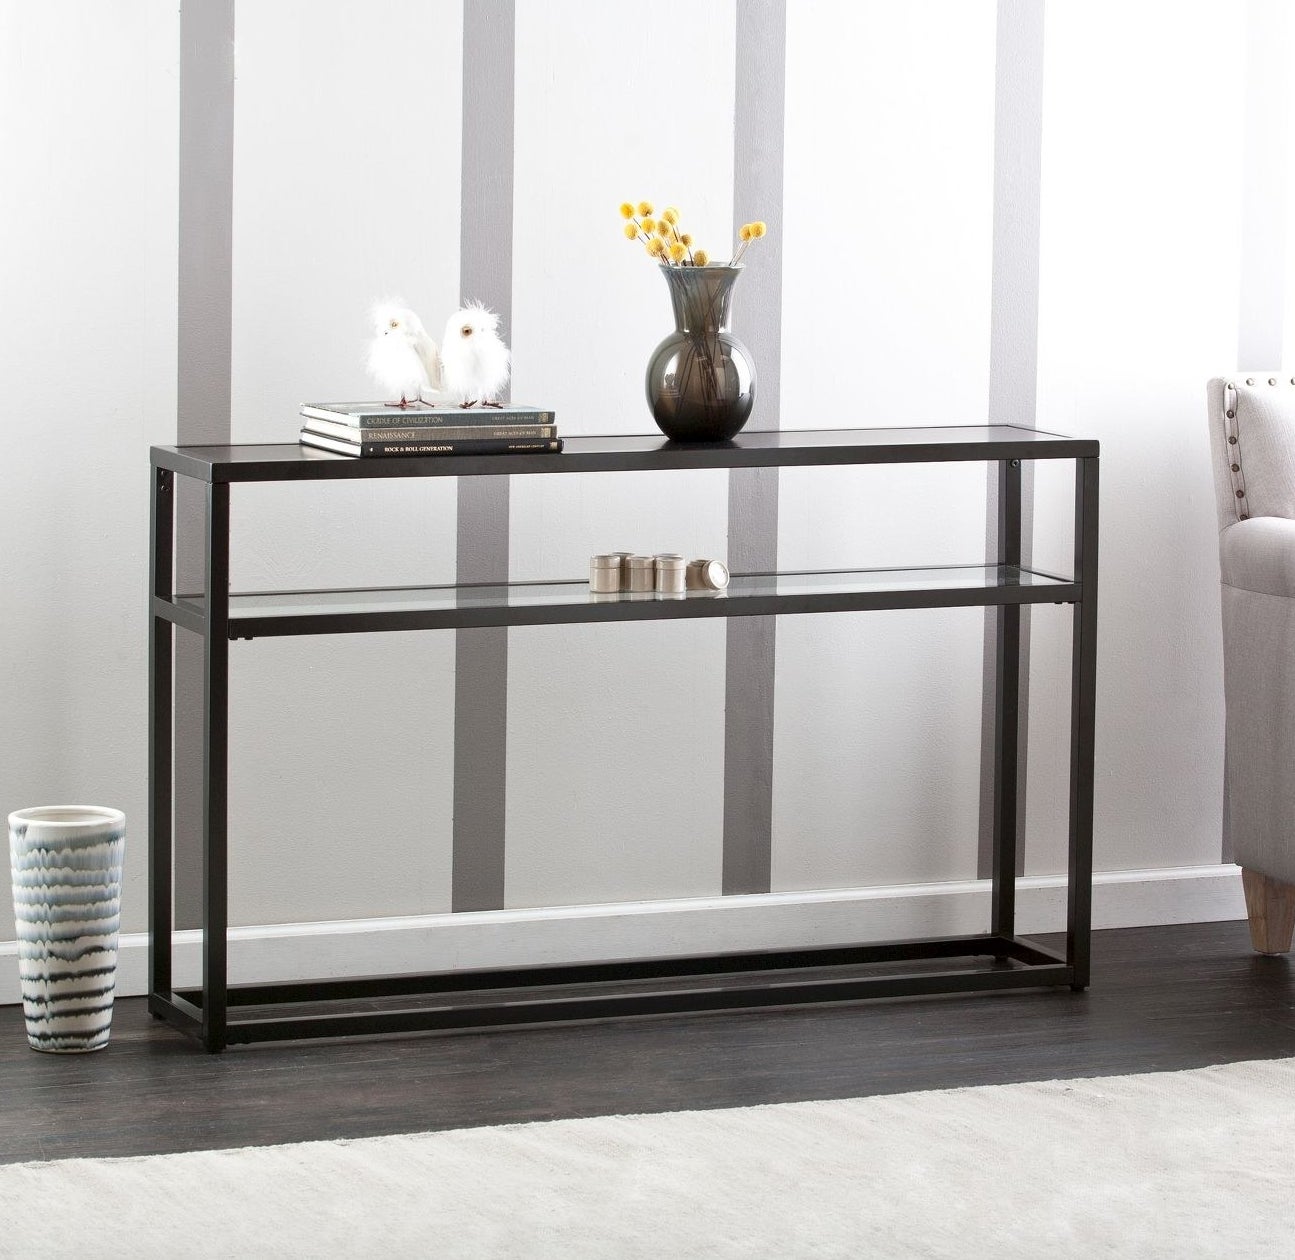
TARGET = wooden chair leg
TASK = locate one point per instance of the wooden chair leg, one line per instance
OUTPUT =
(1270, 905)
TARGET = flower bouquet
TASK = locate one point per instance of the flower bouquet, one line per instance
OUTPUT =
(700, 379)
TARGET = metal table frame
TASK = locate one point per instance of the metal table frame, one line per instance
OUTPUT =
(218, 1014)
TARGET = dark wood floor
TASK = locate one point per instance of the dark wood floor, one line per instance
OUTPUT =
(1162, 998)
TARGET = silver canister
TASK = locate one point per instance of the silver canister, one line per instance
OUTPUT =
(707, 575)
(625, 568)
(604, 574)
(670, 574)
(642, 574)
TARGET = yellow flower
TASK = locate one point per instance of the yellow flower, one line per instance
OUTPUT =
(758, 230)
(649, 226)
(627, 210)
(645, 207)
(632, 230)
(700, 257)
(670, 214)
(744, 232)
(685, 239)
(677, 252)
(664, 230)
(656, 247)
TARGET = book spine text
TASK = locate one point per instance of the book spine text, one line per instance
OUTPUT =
(459, 446)
(486, 417)
(363, 433)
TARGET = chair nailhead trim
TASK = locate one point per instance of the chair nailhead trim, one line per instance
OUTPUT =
(1233, 431)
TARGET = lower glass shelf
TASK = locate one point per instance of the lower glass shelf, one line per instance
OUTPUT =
(275, 613)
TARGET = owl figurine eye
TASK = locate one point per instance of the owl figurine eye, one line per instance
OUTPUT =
(466, 330)
(395, 323)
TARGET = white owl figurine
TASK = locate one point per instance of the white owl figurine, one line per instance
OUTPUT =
(474, 358)
(403, 359)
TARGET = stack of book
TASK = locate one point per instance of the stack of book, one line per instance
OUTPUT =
(373, 429)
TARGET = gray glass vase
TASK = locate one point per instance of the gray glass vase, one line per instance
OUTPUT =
(700, 380)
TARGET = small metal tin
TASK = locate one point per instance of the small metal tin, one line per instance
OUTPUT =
(604, 574)
(669, 574)
(707, 575)
(642, 574)
(716, 575)
(625, 567)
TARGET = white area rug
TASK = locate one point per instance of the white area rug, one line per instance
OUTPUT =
(1174, 1164)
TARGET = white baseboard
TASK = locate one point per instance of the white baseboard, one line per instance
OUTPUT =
(503, 938)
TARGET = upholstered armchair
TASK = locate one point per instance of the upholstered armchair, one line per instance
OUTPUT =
(1252, 438)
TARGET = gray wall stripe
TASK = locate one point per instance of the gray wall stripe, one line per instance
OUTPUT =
(204, 313)
(1261, 326)
(206, 222)
(1014, 338)
(760, 97)
(485, 273)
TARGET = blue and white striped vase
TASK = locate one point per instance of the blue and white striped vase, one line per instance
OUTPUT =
(66, 862)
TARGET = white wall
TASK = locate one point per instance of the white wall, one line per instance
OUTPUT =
(88, 147)
(346, 189)
(889, 145)
(885, 322)
(1138, 305)
(616, 734)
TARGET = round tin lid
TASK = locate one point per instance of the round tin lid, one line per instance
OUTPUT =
(714, 573)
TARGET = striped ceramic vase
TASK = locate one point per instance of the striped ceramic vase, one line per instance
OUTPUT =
(66, 862)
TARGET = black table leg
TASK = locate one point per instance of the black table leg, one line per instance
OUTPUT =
(160, 648)
(1083, 702)
(215, 773)
(1007, 695)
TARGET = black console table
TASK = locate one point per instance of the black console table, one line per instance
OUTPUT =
(219, 1014)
